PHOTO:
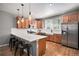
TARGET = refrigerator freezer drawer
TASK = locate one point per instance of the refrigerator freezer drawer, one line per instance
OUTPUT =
(73, 44)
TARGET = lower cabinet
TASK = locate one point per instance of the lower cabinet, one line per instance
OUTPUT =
(54, 38)
(48, 37)
(57, 38)
(41, 46)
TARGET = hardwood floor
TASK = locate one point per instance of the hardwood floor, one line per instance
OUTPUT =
(53, 49)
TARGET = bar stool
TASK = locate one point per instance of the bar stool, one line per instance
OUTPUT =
(12, 42)
(20, 45)
(25, 46)
(16, 46)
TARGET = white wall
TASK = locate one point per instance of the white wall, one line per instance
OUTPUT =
(7, 21)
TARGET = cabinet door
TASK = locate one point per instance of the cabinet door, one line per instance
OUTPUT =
(75, 17)
(51, 38)
(24, 24)
(19, 24)
(57, 38)
(27, 23)
(71, 17)
(48, 37)
(65, 19)
(41, 46)
(38, 24)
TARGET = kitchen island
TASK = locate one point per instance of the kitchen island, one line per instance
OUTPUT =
(38, 42)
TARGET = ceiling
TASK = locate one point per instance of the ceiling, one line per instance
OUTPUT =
(39, 10)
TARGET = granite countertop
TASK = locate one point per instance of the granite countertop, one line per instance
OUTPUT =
(22, 33)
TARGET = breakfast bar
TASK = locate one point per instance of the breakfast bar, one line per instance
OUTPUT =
(38, 42)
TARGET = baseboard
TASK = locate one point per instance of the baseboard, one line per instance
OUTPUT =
(3, 45)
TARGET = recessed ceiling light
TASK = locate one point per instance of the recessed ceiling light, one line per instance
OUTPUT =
(50, 4)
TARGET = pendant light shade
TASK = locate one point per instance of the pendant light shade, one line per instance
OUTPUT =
(18, 21)
(18, 11)
(30, 16)
(22, 20)
(18, 18)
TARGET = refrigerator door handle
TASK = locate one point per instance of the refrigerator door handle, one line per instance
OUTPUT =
(64, 32)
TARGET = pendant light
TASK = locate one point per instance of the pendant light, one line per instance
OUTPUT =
(22, 20)
(30, 17)
(18, 17)
(18, 11)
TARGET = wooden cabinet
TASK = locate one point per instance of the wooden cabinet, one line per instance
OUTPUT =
(41, 46)
(65, 19)
(21, 23)
(27, 23)
(24, 24)
(49, 37)
(18, 22)
(38, 24)
(71, 17)
(55, 38)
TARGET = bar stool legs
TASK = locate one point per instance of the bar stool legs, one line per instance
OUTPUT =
(28, 51)
(10, 44)
(22, 47)
(18, 44)
(16, 48)
(21, 51)
(15, 51)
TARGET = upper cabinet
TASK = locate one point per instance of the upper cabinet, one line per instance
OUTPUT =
(38, 24)
(71, 17)
(65, 18)
(18, 22)
(21, 23)
(25, 23)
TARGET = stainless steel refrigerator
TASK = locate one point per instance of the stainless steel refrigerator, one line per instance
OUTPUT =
(70, 33)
